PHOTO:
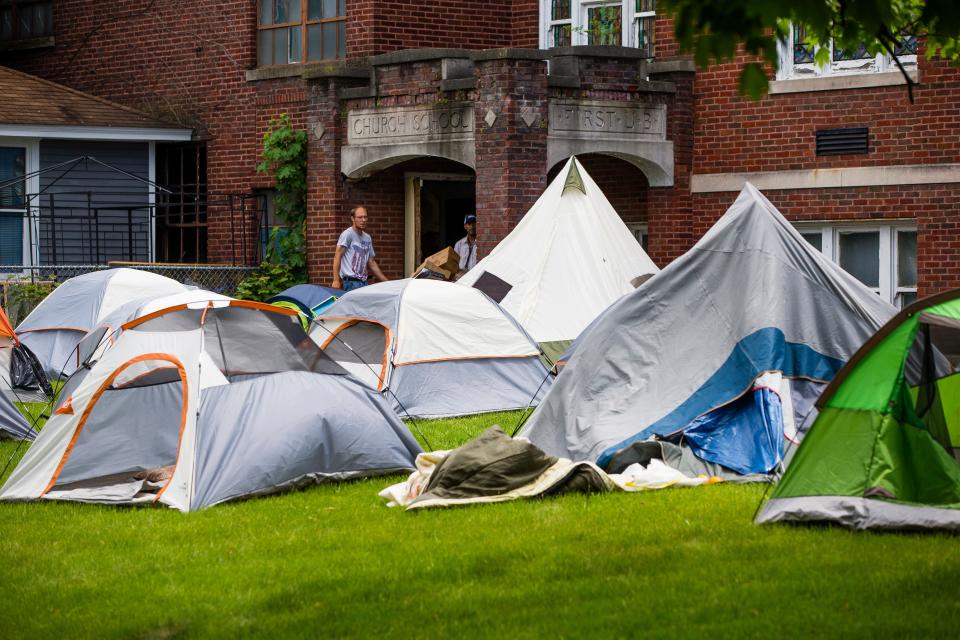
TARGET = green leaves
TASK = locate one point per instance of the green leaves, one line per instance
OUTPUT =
(284, 156)
(269, 280)
(718, 31)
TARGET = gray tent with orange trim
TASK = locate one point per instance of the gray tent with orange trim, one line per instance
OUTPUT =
(435, 348)
(208, 402)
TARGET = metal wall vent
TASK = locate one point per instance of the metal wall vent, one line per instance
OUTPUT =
(837, 142)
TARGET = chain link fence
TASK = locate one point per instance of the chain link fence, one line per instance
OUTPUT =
(22, 287)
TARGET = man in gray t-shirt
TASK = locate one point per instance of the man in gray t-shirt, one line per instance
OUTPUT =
(353, 260)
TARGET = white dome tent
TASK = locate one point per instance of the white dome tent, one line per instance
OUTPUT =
(436, 349)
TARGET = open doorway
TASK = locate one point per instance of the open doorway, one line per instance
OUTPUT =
(436, 206)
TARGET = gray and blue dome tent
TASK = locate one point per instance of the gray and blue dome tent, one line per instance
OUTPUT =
(310, 299)
(723, 352)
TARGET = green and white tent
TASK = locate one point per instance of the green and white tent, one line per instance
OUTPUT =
(883, 452)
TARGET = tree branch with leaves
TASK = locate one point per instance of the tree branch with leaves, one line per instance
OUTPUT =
(714, 30)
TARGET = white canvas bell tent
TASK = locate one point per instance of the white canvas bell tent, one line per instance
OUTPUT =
(76, 307)
(208, 402)
(433, 348)
(569, 258)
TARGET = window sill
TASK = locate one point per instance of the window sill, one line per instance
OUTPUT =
(842, 82)
(23, 45)
(278, 71)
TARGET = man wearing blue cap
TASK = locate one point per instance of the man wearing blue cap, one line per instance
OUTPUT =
(466, 247)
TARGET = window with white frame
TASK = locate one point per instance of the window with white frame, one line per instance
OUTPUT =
(881, 256)
(13, 165)
(797, 58)
(628, 23)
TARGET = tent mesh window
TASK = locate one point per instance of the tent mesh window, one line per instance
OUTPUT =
(243, 341)
(147, 402)
(932, 377)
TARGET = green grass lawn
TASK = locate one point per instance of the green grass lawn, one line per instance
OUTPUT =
(334, 561)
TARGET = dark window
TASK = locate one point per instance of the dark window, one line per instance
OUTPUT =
(292, 31)
(181, 234)
(25, 20)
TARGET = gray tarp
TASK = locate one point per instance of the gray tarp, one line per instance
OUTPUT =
(751, 296)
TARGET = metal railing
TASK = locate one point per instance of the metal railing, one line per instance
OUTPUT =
(26, 285)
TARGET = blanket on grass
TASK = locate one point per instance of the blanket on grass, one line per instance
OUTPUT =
(497, 468)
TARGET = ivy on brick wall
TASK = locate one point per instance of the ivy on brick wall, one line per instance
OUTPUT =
(284, 157)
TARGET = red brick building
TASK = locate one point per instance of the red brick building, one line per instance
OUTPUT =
(426, 111)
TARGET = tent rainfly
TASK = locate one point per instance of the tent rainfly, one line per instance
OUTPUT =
(63, 318)
(569, 258)
(435, 348)
(724, 351)
(883, 450)
(208, 402)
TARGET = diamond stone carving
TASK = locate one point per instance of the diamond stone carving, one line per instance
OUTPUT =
(490, 118)
(528, 115)
(318, 130)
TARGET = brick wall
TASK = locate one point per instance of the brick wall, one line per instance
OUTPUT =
(382, 26)
(734, 133)
(511, 175)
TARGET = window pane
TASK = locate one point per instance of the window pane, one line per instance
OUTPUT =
(329, 40)
(860, 256)
(342, 39)
(604, 25)
(802, 50)
(47, 8)
(907, 46)
(644, 6)
(906, 258)
(11, 238)
(266, 48)
(858, 53)
(645, 34)
(6, 24)
(266, 12)
(342, 10)
(25, 23)
(296, 44)
(12, 165)
(279, 11)
(313, 10)
(329, 8)
(279, 46)
(560, 10)
(560, 35)
(906, 298)
(313, 42)
(815, 238)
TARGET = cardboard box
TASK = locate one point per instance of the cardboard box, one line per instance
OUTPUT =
(445, 262)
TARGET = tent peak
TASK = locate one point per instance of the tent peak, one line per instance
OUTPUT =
(573, 179)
